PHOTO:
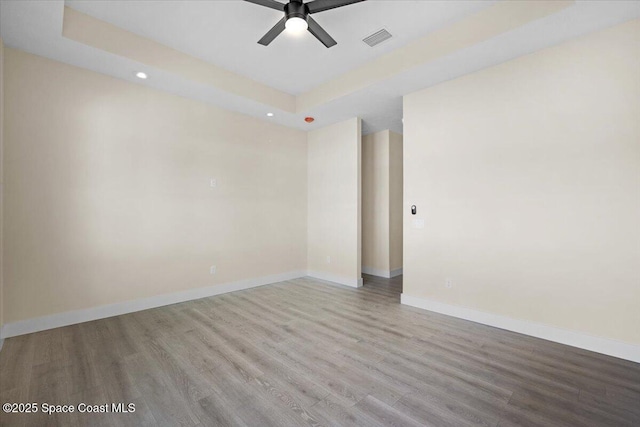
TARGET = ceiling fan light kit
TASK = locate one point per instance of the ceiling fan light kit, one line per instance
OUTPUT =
(297, 18)
(296, 25)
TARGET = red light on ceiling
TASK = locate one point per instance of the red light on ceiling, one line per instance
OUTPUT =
(309, 119)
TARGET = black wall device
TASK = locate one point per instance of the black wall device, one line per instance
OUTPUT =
(413, 210)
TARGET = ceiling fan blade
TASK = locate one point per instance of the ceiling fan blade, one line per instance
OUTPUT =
(320, 33)
(273, 33)
(268, 3)
(322, 5)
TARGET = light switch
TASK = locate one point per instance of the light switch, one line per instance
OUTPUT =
(213, 182)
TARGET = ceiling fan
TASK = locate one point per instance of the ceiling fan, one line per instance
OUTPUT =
(297, 18)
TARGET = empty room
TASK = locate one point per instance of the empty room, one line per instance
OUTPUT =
(320, 213)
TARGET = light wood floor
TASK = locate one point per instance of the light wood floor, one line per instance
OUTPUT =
(306, 353)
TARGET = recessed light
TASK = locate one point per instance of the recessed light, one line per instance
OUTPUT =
(141, 75)
(269, 114)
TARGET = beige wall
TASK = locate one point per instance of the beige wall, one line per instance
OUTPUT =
(108, 196)
(382, 203)
(527, 175)
(375, 201)
(334, 202)
(395, 200)
(1, 180)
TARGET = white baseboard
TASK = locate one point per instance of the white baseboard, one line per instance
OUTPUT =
(376, 272)
(382, 273)
(327, 277)
(606, 346)
(78, 316)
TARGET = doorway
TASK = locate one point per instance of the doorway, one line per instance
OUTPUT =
(382, 204)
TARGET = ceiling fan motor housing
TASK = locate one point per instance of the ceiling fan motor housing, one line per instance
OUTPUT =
(296, 9)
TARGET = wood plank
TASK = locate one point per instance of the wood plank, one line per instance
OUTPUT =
(303, 352)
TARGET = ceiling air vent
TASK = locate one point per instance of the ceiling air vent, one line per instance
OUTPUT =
(377, 37)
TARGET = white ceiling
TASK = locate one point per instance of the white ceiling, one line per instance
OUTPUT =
(226, 33)
(288, 64)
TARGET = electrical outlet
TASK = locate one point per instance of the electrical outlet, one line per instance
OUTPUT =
(212, 270)
(328, 259)
(213, 182)
(448, 284)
